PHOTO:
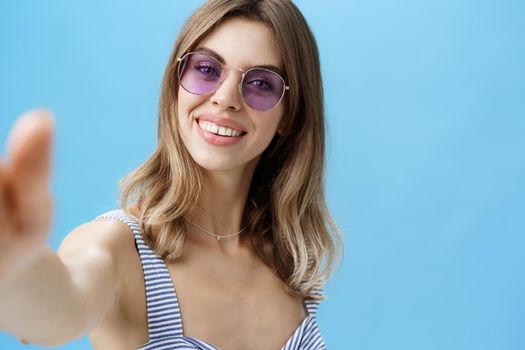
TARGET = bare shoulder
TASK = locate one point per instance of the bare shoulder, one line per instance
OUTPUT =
(105, 236)
(102, 256)
(109, 245)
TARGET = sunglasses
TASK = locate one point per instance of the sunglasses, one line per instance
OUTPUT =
(201, 74)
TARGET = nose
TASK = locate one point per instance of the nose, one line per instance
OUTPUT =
(227, 96)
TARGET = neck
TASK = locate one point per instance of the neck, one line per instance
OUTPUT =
(221, 206)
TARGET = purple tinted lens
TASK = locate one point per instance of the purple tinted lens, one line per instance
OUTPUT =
(199, 73)
(262, 89)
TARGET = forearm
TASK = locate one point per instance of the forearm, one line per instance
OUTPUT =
(39, 303)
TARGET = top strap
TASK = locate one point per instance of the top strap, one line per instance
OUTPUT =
(164, 319)
(313, 305)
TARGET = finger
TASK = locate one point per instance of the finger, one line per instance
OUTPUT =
(3, 204)
(29, 149)
(28, 172)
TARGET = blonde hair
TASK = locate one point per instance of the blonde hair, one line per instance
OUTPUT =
(286, 213)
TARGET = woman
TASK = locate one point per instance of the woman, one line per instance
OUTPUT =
(224, 230)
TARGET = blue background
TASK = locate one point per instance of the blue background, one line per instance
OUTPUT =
(426, 166)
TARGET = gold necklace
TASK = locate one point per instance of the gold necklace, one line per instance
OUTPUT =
(218, 237)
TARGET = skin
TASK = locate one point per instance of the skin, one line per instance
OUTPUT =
(229, 170)
(94, 283)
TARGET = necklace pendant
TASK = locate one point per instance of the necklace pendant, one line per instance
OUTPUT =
(218, 237)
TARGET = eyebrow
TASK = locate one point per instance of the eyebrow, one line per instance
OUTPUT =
(219, 58)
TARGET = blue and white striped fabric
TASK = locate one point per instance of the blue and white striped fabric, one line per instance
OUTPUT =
(164, 318)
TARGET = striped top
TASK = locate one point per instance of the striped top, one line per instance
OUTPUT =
(165, 330)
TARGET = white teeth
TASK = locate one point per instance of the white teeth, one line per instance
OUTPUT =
(220, 130)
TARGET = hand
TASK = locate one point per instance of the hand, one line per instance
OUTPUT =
(25, 201)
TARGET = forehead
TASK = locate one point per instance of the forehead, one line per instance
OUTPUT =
(244, 43)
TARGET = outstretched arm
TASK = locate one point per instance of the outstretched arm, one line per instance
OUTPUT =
(47, 298)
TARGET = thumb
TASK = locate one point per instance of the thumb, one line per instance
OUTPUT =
(29, 148)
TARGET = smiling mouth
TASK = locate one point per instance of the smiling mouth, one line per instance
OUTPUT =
(219, 130)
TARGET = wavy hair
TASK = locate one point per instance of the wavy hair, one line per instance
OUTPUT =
(286, 214)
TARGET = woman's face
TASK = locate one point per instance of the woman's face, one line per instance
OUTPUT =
(243, 44)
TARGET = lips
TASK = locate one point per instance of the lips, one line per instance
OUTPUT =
(224, 122)
(217, 140)
(219, 130)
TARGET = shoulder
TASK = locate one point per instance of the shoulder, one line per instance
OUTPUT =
(102, 257)
(107, 237)
(104, 232)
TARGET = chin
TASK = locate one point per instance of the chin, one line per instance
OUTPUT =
(209, 163)
(214, 164)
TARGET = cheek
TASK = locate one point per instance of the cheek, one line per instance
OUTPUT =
(273, 119)
(185, 105)
(187, 102)
(268, 125)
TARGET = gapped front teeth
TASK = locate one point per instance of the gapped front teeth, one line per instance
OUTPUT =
(219, 130)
